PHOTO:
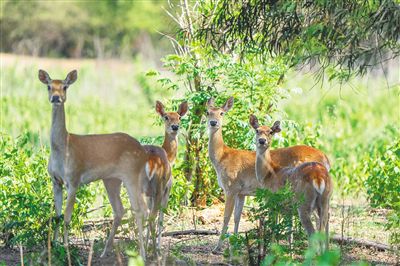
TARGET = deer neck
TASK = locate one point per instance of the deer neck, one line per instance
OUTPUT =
(215, 145)
(170, 146)
(264, 166)
(58, 132)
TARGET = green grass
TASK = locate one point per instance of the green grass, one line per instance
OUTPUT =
(351, 124)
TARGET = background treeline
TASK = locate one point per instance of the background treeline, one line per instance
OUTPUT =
(92, 29)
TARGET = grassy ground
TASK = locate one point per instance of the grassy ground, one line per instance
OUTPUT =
(196, 250)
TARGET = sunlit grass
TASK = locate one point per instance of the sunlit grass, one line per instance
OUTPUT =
(350, 121)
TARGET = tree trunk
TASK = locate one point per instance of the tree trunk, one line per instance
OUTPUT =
(202, 185)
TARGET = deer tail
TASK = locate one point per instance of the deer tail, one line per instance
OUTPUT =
(149, 168)
(319, 185)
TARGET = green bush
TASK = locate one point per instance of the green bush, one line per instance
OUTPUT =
(201, 74)
(383, 184)
(26, 196)
(278, 256)
(277, 220)
(383, 175)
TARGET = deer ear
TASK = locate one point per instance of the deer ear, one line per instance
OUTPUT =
(44, 77)
(228, 105)
(211, 102)
(160, 108)
(183, 108)
(276, 127)
(71, 77)
(254, 122)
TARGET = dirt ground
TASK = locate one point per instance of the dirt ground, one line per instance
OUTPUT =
(357, 222)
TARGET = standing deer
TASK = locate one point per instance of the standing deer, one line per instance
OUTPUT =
(235, 168)
(309, 180)
(158, 184)
(80, 159)
(158, 168)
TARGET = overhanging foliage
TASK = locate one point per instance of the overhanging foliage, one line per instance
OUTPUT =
(352, 35)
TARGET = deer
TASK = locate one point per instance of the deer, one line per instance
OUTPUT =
(76, 160)
(235, 169)
(158, 184)
(158, 168)
(310, 181)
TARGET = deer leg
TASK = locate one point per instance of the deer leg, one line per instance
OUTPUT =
(113, 188)
(327, 231)
(140, 217)
(58, 200)
(239, 202)
(140, 208)
(323, 213)
(229, 204)
(67, 217)
(150, 205)
(151, 231)
(164, 204)
(305, 218)
(160, 229)
(290, 237)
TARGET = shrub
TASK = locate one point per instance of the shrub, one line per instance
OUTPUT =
(26, 197)
(383, 175)
(204, 74)
(278, 256)
(277, 221)
(383, 184)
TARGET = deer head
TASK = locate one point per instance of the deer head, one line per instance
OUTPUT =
(172, 120)
(57, 89)
(215, 114)
(264, 134)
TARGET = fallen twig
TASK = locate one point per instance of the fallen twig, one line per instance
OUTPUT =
(190, 232)
(360, 242)
(95, 209)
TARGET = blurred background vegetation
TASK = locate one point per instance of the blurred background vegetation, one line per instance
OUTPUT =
(124, 64)
(85, 29)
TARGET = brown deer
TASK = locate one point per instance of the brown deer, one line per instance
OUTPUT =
(310, 181)
(158, 184)
(80, 159)
(158, 168)
(235, 168)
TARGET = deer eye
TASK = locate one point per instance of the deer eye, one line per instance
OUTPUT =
(48, 87)
(257, 131)
(166, 118)
(222, 113)
(65, 87)
(207, 113)
(180, 118)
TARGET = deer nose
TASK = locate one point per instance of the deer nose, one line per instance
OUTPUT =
(262, 141)
(213, 123)
(55, 99)
(175, 127)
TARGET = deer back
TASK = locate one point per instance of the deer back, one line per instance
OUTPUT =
(295, 155)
